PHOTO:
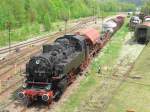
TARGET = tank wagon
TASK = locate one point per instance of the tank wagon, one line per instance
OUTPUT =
(142, 33)
(134, 21)
(49, 74)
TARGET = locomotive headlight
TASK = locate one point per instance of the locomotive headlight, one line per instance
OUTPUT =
(37, 62)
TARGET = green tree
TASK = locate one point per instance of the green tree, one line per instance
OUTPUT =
(47, 22)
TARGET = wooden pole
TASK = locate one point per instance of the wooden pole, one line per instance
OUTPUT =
(0, 85)
(8, 26)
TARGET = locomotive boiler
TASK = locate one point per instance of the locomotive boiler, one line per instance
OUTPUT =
(49, 74)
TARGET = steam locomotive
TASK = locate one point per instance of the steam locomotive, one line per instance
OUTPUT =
(49, 74)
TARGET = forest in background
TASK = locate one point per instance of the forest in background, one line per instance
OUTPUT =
(25, 17)
(137, 2)
(146, 8)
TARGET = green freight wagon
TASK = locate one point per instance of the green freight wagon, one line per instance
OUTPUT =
(142, 33)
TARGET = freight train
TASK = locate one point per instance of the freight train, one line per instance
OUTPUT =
(49, 74)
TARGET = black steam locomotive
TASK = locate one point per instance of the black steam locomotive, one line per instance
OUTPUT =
(53, 70)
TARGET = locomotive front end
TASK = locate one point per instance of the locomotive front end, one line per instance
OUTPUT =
(37, 84)
(30, 95)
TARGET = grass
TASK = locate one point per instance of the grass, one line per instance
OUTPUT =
(79, 95)
(88, 85)
(111, 51)
(135, 96)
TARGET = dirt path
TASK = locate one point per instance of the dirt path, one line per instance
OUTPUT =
(102, 96)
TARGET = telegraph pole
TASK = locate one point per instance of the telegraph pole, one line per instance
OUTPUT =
(96, 15)
(66, 21)
(102, 17)
(8, 25)
(93, 12)
(9, 40)
(65, 17)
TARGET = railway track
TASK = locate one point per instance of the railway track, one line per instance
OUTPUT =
(14, 55)
(16, 63)
(106, 90)
(120, 79)
(17, 108)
